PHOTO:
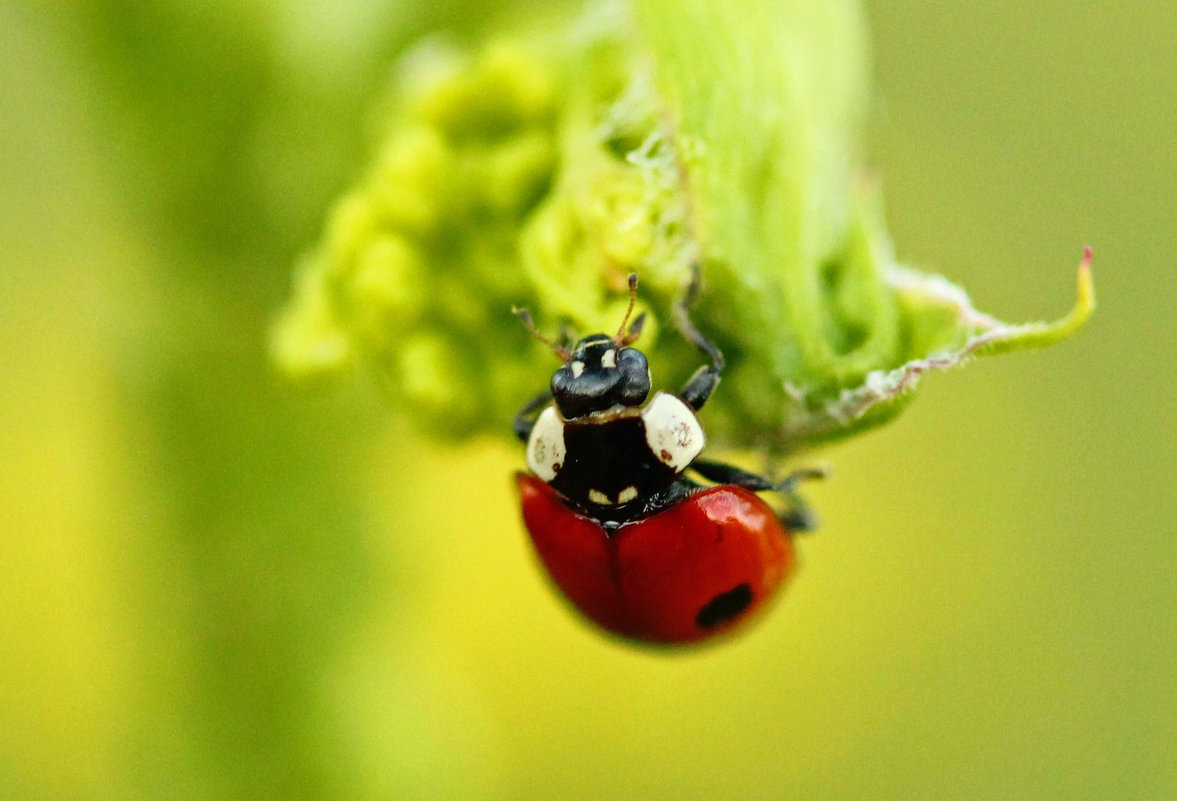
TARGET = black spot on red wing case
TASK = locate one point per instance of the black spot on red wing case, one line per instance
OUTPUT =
(724, 607)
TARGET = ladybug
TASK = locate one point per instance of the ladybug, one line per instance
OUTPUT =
(641, 548)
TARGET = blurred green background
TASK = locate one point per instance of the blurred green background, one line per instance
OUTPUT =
(216, 587)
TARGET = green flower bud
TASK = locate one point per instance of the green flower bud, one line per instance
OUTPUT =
(385, 291)
(405, 191)
(307, 341)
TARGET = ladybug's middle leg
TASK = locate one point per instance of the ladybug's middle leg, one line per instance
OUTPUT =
(723, 473)
(797, 516)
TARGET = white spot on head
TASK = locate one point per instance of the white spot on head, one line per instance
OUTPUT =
(609, 359)
(598, 497)
(577, 369)
(673, 433)
(627, 495)
(545, 447)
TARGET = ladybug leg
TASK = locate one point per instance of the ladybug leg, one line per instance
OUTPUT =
(797, 516)
(706, 378)
(525, 418)
(722, 473)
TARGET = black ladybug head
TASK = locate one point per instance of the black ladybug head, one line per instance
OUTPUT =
(600, 373)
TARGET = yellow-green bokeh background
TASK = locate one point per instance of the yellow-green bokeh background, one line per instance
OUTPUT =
(215, 587)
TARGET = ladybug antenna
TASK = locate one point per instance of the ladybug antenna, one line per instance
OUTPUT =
(624, 337)
(561, 350)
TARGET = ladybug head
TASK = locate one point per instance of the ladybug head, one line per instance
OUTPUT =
(601, 371)
(599, 374)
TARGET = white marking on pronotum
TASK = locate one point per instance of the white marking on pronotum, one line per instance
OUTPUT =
(577, 369)
(672, 431)
(627, 495)
(545, 447)
(609, 359)
(598, 497)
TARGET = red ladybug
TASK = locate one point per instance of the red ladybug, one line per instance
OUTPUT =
(641, 549)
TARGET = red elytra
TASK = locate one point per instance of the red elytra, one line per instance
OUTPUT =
(694, 570)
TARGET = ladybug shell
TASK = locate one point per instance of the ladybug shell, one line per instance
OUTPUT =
(689, 572)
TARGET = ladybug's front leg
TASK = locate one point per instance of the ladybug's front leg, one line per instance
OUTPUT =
(525, 418)
(706, 378)
(797, 516)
